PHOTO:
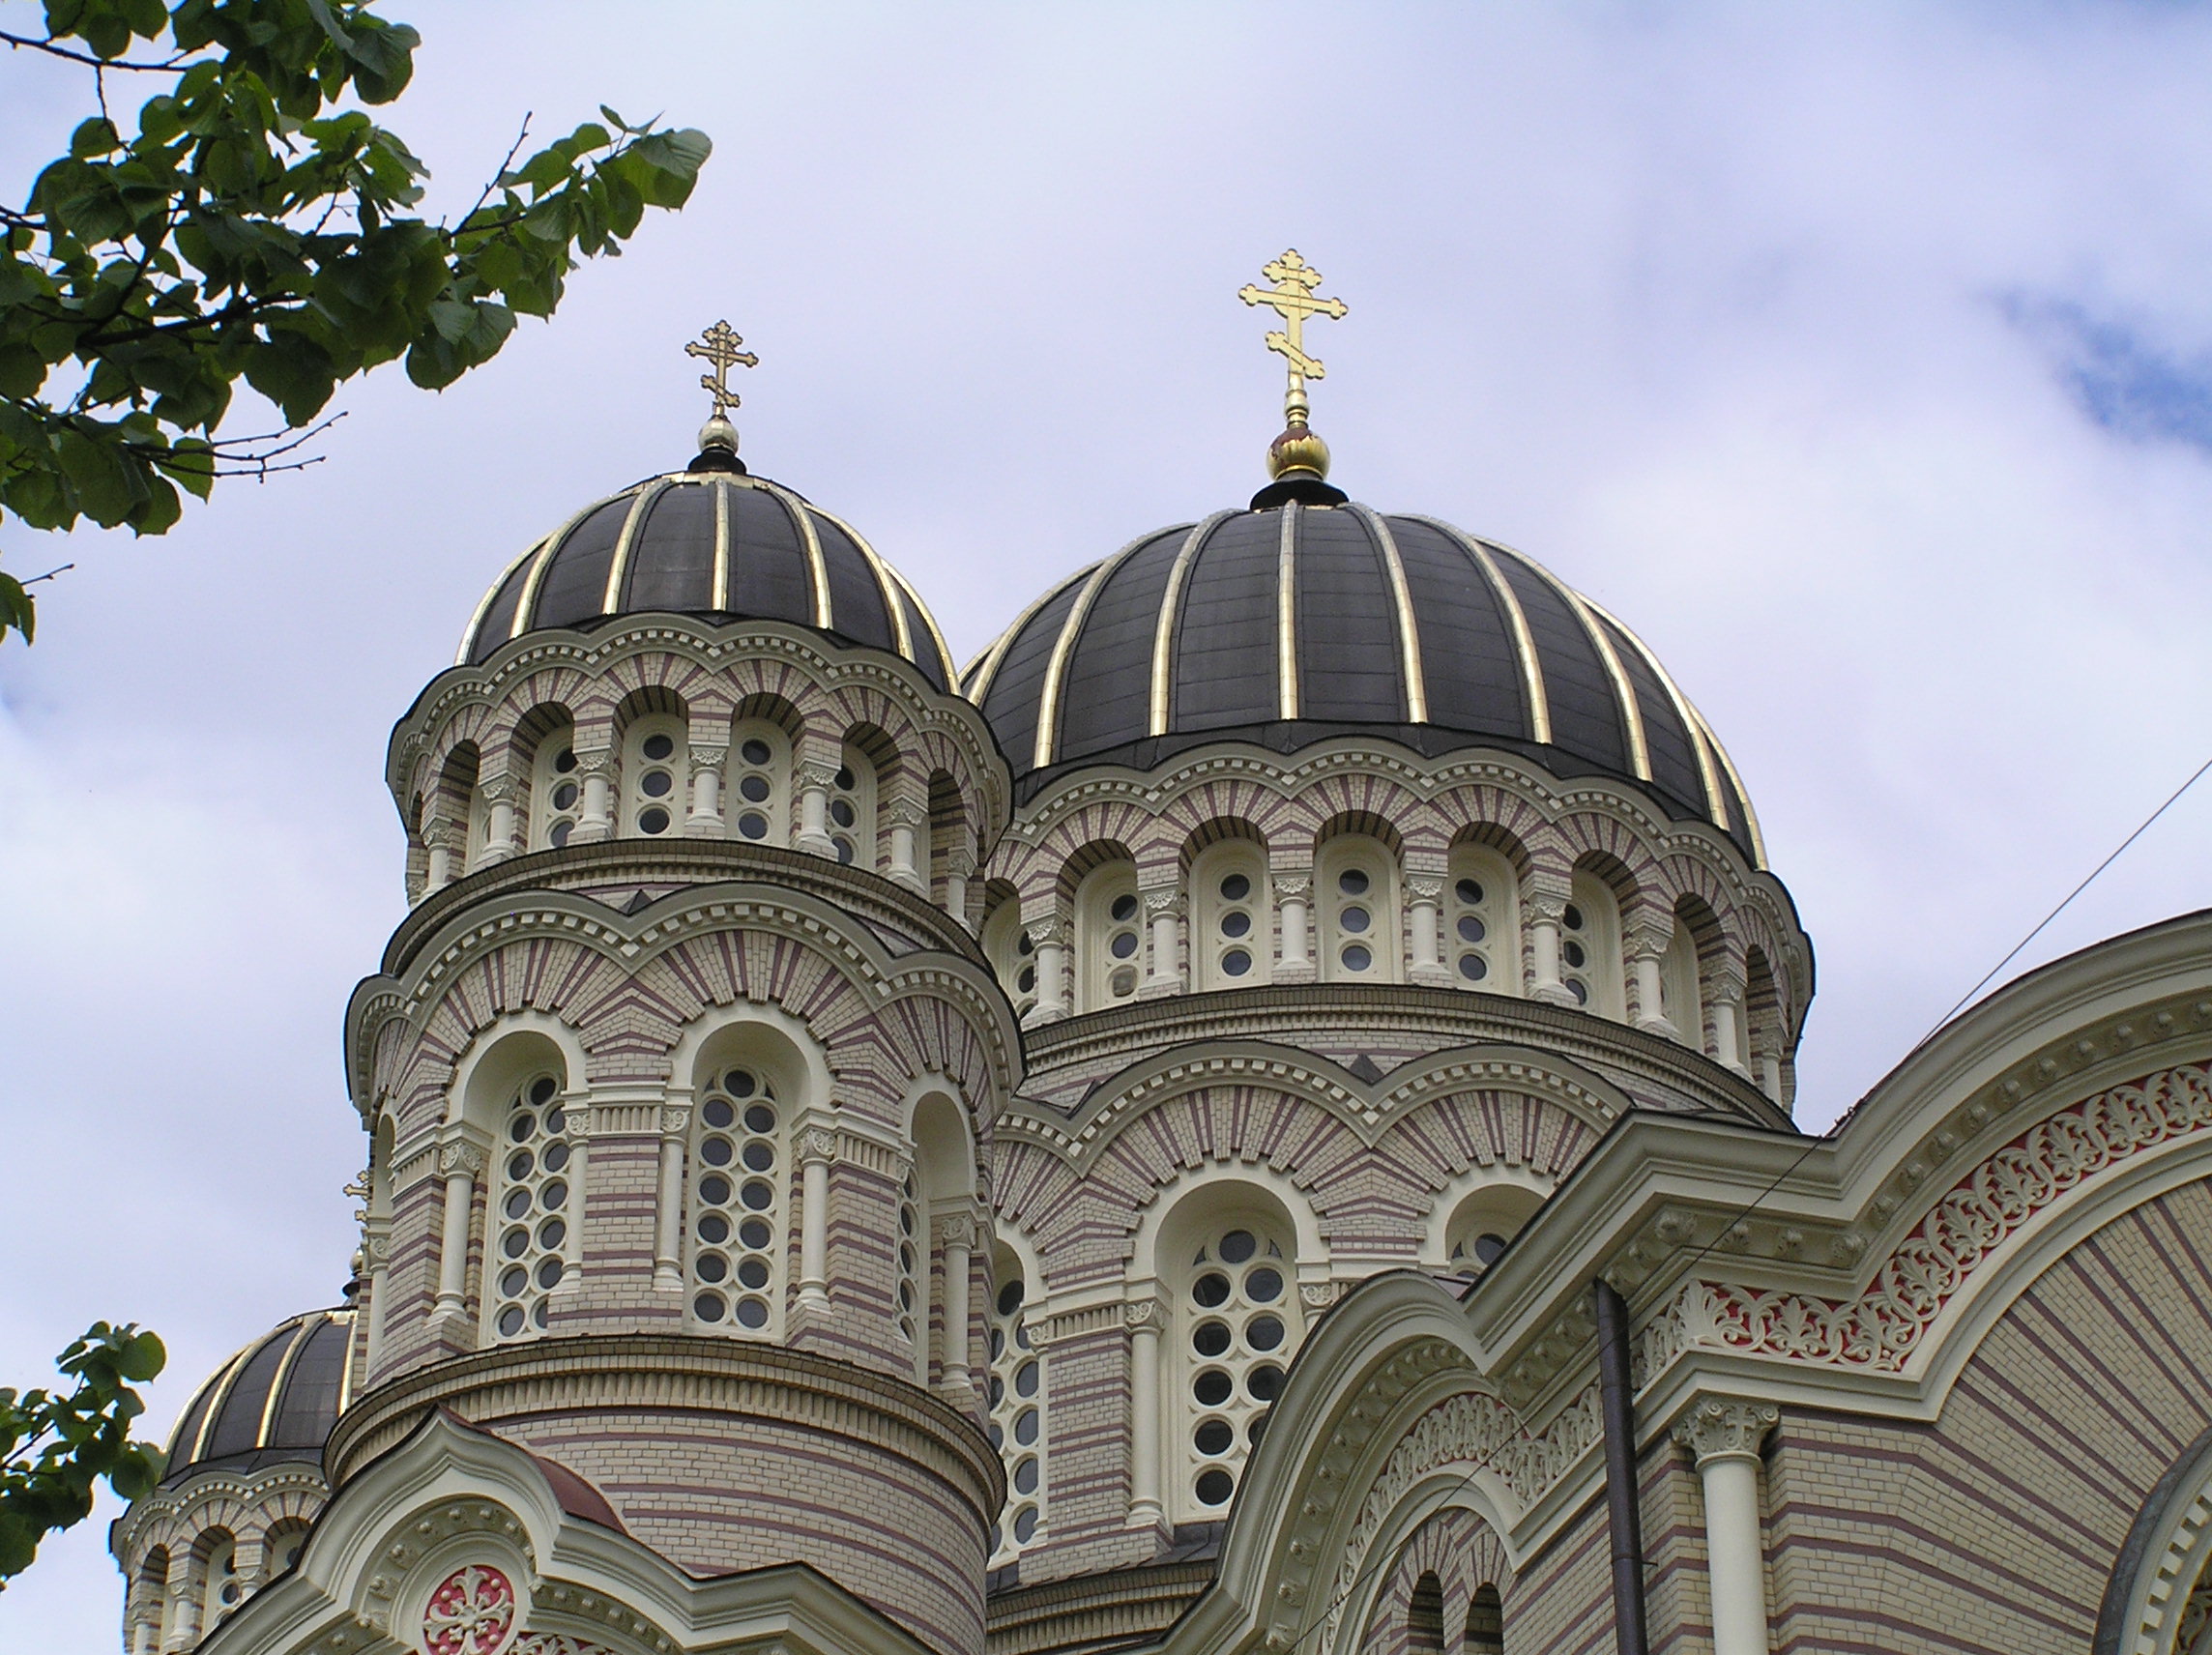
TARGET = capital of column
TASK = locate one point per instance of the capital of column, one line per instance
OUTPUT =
(1295, 886)
(706, 758)
(818, 1143)
(904, 813)
(813, 773)
(501, 789)
(461, 1156)
(1547, 902)
(1167, 900)
(958, 1229)
(1424, 887)
(1728, 980)
(1725, 1428)
(1646, 938)
(674, 1120)
(599, 762)
(1145, 1316)
(1047, 932)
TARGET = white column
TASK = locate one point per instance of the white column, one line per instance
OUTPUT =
(958, 865)
(1728, 1020)
(1424, 908)
(500, 793)
(905, 817)
(705, 819)
(1546, 909)
(443, 838)
(814, 783)
(1293, 894)
(668, 1219)
(1645, 948)
(817, 1148)
(1770, 1075)
(1145, 1320)
(1050, 935)
(596, 819)
(1164, 910)
(460, 1162)
(1723, 1435)
(959, 1237)
(375, 1259)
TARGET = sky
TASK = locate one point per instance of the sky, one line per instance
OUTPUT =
(1860, 358)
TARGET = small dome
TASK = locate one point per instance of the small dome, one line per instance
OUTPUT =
(716, 544)
(276, 1399)
(1287, 626)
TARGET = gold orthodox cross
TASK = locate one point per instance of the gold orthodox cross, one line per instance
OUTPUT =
(1291, 298)
(720, 344)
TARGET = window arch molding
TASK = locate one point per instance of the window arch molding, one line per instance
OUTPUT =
(1099, 888)
(1358, 895)
(1225, 870)
(783, 1052)
(1228, 1262)
(1485, 872)
(942, 1190)
(1145, 1258)
(495, 1059)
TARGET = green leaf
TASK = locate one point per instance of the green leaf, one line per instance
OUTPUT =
(17, 611)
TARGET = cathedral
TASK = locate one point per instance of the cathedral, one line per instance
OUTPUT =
(1253, 1120)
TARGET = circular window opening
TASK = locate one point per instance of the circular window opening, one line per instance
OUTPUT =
(1357, 958)
(1235, 963)
(1474, 967)
(755, 751)
(653, 820)
(659, 747)
(1214, 1487)
(1351, 882)
(1235, 887)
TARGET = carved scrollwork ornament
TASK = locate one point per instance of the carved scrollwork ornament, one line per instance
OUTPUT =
(461, 1156)
(818, 1143)
(705, 759)
(904, 813)
(1167, 900)
(957, 1230)
(1723, 1428)
(1424, 887)
(1047, 930)
(674, 1120)
(599, 762)
(501, 789)
(1545, 902)
(814, 774)
(1295, 888)
(1317, 1295)
(1144, 1316)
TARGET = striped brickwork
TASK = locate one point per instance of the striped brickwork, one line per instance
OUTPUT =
(1997, 1526)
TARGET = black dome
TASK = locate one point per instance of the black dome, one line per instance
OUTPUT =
(713, 543)
(276, 1399)
(1287, 626)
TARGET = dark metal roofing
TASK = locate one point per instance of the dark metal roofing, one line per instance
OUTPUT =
(276, 1399)
(714, 544)
(1287, 626)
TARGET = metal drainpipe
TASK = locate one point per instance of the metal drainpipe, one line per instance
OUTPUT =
(1623, 1513)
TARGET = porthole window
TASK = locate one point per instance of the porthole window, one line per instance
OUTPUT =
(852, 809)
(556, 790)
(654, 751)
(1356, 896)
(1109, 923)
(221, 1591)
(1011, 954)
(735, 1243)
(912, 1258)
(758, 807)
(1590, 947)
(530, 1228)
(1483, 922)
(1231, 916)
(1017, 1410)
(1240, 1325)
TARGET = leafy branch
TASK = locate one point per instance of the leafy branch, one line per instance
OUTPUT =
(259, 227)
(56, 1447)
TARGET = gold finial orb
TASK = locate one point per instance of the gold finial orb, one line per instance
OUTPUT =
(1297, 453)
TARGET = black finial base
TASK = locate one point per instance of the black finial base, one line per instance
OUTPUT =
(1307, 490)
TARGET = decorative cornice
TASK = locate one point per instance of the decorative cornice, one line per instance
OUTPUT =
(1880, 1329)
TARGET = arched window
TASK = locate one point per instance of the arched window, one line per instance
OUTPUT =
(852, 809)
(1485, 1622)
(1356, 888)
(1017, 1412)
(655, 747)
(1011, 954)
(1589, 947)
(1679, 991)
(760, 783)
(1232, 915)
(1237, 1325)
(220, 1590)
(1425, 1617)
(1482, 921)
(735, 1250)
(531, 1212)
(910, 1262)
(1484, 1222)
(556, 790)
(1109, 937)
(935, 1306)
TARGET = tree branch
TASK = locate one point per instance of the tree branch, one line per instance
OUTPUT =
(27, 43)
